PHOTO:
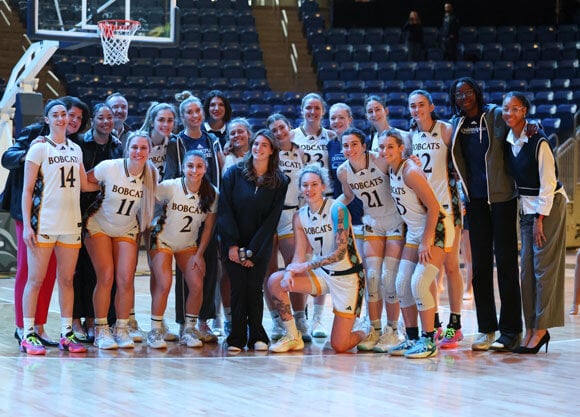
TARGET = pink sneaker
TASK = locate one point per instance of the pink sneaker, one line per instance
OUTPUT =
(451, 338)
(70, 343)
(31, 345)
(438, 335)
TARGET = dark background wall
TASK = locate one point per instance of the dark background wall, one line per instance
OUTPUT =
(384, 13)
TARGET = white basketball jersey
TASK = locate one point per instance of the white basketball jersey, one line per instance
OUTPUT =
(121, 201)
(371, 186)
(320, 231)
(56, 206)
(434, 155)
(290, 164)
(315, 148)
(182, 218)
(158, 155)
(410, 208)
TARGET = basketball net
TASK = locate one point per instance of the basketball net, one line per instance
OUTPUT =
(116, 36)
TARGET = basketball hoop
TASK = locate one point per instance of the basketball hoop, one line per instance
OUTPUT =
(116, 36)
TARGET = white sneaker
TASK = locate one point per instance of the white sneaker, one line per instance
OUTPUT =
(483, 341)
(155, 339)
(288, 343)
(190, 339)
(318, 329)
(122, 337)
(204, 332)
(260, 346)
(302, 326)
(167, 335)
(104, 338)
(369, 342)
(389, 339)
(217, 326)
(234, 349)
(135, 332)
(277, 329)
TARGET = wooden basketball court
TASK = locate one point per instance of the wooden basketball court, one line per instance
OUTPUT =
(316, 382)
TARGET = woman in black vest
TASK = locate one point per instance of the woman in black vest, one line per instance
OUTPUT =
(542, 224)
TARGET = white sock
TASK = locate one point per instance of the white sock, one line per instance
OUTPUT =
(318, 309)
(377, 325)
(156, 322)
(228, 313)
(291, 329)
(28, 326)
(65, 325)
(299, 314)
(190, 321)
(122, 323)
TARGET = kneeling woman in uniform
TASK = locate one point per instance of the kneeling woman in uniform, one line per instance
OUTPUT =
(321, 227)
(429, 236)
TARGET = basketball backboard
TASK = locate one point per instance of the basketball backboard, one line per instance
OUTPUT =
(76, 20)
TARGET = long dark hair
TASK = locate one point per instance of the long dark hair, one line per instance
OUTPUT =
(476, 89)
(70, 102)
(273, 177)
(207, 193)
(226, 101)
(427, 95)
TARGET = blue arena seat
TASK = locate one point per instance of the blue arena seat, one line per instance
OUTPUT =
(503, 70)
(367, 71)
(486, 34)
(492, 51)
(374, 36)
(398, 53)
(443, 70)
(342, 52)
(354, 85)
(506, 34)
(468, 34)
(348, 71)
(386, 70)
(361, 52)
(424, 70)
(544, 110)
(525, 34)
(551, 50)
(511, 51)
(380, 53)
(543, 97)
(495, 85)
(374, 86)
(524, 70)
(333, 85)
(546, 33)
(405, 70)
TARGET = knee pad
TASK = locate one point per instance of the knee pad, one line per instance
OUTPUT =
(403, 283)
(390, 268)
(373, 278)
(423, 277)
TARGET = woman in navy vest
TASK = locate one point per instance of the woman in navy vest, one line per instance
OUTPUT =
(542, 224)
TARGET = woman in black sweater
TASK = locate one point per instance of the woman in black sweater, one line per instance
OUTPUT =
(251, 199)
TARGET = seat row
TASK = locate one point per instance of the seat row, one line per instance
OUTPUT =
(571, 86)
(467, 34)
(163, 67)
(220, 17)
(444, 70)
(469, 52)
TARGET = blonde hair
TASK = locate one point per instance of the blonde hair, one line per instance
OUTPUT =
(150, 178)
